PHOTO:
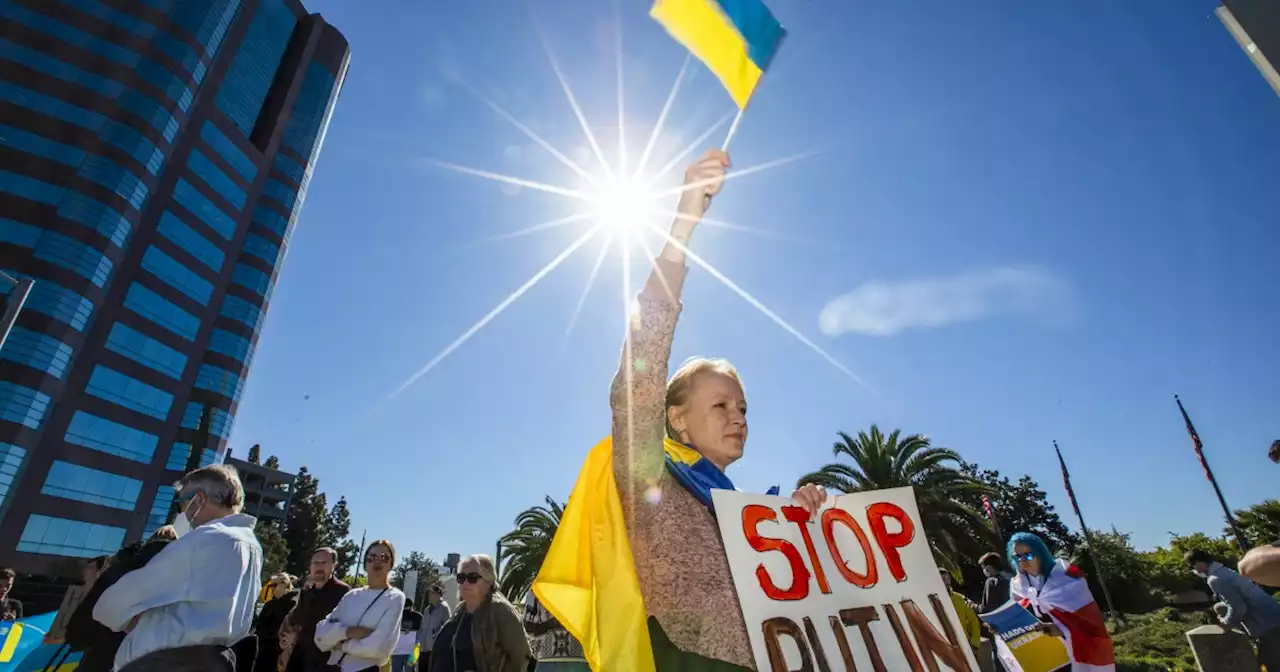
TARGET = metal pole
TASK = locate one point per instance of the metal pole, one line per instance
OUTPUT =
(13, 305)
(1088, 537)
(1199, 446)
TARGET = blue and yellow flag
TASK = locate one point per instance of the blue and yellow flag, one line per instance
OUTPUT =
(588, 580)
(736, 39)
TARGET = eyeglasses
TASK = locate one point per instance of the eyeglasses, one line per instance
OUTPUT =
(470, 577)
(1024, 557)
(378, 557)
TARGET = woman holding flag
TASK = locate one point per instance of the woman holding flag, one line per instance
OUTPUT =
(1054, 589)
(672, 442)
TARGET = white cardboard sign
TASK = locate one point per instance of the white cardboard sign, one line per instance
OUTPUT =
(855, 587)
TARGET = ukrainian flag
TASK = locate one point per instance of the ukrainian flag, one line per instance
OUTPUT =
(736, 39)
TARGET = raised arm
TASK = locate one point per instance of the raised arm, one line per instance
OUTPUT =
(637, 396)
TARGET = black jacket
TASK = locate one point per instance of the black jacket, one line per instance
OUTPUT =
(995, 592)
(268, 628)
(313, 605)
(97, 641)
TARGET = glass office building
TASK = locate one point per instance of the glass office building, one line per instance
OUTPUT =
(154, 156)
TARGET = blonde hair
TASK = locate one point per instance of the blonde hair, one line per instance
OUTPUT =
(288, 581)
(682, 382)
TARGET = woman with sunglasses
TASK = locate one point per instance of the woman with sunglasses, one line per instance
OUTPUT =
(363, 629)
(485, 634)
(282, 599)
(1058, 591)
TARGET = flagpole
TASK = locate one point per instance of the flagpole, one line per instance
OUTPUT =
(1088, 536)
(1226, 510)
(733, 129)
(360, 561)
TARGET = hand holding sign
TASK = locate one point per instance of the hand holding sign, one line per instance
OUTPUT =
(806, 582)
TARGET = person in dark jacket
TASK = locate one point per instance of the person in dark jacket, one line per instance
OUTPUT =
(320, 596)
(10, 610)
(995, 591)
(283, 599)
(97, 641)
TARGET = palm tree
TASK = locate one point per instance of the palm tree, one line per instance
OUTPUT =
(954, 529)
(522, 550)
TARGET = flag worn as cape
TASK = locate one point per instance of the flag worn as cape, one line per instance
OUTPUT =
(588, 581)
(1065, 598)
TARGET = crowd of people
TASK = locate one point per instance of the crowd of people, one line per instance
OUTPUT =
(186, 599)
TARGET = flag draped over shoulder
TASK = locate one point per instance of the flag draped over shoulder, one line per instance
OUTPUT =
(1065, 598)
(588, 581)
(735, 39)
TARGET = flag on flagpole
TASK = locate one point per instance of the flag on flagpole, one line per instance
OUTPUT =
(1208, 473)
(991, 515)
(1066, 481)
(735, 39)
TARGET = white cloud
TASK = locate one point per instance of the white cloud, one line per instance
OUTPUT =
(883, 308)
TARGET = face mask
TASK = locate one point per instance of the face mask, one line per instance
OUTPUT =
(182, 524)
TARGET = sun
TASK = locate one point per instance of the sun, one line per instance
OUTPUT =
(621, 204)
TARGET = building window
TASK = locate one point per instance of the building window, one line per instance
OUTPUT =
(276, 189)
(231, 345)
(160, 508)
(251, 278)
(59, 250)
(22, 405)
(95, 216)
(190, 198)
(181, 452)
(213, 176)
(41, 146)
(245, 87)
(72, 481)
(113, 176)
(156, 308)
(11, 457)
(219, 421)
(190, 240)
(262, 248)
(229, 151)
(74, 538)
(38, 351)
(206, 21)
(175, 274)
(145, 350)
(110, 437)
(128, 392)
(144, 107)
(271, 220)
(58, 302)
(30, 188)
(242, 311)
(220, 380)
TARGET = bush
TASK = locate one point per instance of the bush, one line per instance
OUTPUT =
(1159, 639)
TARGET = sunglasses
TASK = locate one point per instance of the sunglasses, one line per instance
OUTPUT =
(1024, 557)
(470, 577)
(378, 557)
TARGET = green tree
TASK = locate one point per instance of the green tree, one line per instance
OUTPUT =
(336, 533)
(1260, 522)
(272, 462)
(955, 529)
(275, 552)
(428, 574)
(1128, 572)
(1020, 507)
(305, 522)
(255, 454)
(1169, 573)
(524, 548)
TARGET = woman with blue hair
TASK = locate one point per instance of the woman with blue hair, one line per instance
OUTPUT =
(1057, 590)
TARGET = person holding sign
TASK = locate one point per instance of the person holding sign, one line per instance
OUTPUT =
(672, 442)
(1059, 591)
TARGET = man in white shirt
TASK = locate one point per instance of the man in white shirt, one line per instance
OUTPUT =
(194, 600)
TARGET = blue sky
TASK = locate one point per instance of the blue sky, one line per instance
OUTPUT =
(1045, 220)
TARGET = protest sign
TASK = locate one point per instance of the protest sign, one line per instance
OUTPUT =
(1030, 649)
(854, 587)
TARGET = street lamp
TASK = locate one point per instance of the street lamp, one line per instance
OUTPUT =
(11, 302)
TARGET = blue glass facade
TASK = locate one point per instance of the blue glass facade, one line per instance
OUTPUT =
(154, 158)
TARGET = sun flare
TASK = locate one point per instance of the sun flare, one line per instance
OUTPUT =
(621, 205)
